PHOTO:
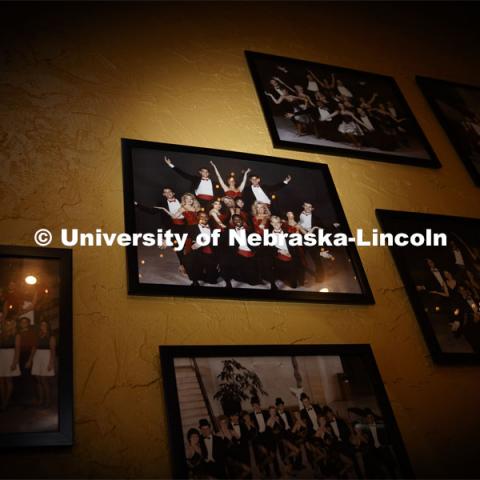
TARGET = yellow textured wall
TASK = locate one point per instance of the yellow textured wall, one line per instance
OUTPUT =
(75, 79)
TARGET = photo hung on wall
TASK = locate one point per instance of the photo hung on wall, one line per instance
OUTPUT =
(270, 411)
(231, 197)
(36, 391)
(457, 107)
(339, 111)
(442, 282)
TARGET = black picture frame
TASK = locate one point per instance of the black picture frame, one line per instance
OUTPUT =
(168, 354)
(64, 436)
(382, 155)
(392, 221)
(434, 90)
(135, 287)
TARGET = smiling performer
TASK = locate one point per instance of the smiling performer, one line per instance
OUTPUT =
(201, 184)
(258, 192)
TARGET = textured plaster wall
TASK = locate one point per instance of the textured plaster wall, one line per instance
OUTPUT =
(75, 79)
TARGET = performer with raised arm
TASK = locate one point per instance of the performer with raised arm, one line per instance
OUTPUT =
(201, 184)
(230, 187)
(258, 192)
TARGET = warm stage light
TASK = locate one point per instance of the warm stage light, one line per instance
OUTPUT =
(30, 280)
(324, 290)
(46, 290)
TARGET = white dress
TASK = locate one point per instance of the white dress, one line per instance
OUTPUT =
(41, 359)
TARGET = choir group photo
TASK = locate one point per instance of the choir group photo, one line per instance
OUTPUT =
(282, 417)
(29, 328)
(197, 194)
(313, 105)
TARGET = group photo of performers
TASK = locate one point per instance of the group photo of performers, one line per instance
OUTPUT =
(194, 194)
(448, 282)
(285, 432)
(28, 347)
(331, 107)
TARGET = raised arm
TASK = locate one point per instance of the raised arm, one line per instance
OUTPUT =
(372, 99)
(279, 80)
(244, 180)
(314, 77)
(220, 179)
(185, 175)
(278, 100)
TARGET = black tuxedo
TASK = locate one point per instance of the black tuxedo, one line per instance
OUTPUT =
(240, 265)
(308, 421)
(217, 467)
(165, 219)
(343, 430)
(273, 267)
(289, 420)
(200, 264)
(249, 197)
(239, 448)
(193, 179)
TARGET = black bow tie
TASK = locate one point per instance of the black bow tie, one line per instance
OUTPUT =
(172, 200)
(235, 425)
(205, 179)
(208, 438)
(309, 408)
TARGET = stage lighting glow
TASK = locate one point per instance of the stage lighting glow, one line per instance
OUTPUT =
(30, 280)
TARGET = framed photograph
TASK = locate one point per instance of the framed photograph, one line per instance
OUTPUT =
(442, 282)
(288, 411)
(36, 378)
(337, 111)
(457, 107)
(231, 197)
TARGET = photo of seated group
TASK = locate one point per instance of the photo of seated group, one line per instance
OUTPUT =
(310, 106)
(282, 417)
(194, 193)
(29, 328)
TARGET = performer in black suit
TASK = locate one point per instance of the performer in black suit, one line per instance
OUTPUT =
(240, 261)
(256, 191)
(201, 184)
(264, 456)
(289, 452)
(380, 461)
(240, 439)
(213, 450)
(310, 414)
(308, 222)
(433, 288)
(200, 262)
(168, 202)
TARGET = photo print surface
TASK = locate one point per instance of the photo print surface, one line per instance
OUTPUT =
(443, 283)
(283, 416)
(191, 191)
(457, 107)
(35, 330)
(328, 109)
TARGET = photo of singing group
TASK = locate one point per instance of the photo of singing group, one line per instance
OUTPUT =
(29, 333)
(197, 191)
(282, 416)
(315, 107)
(443, 282)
